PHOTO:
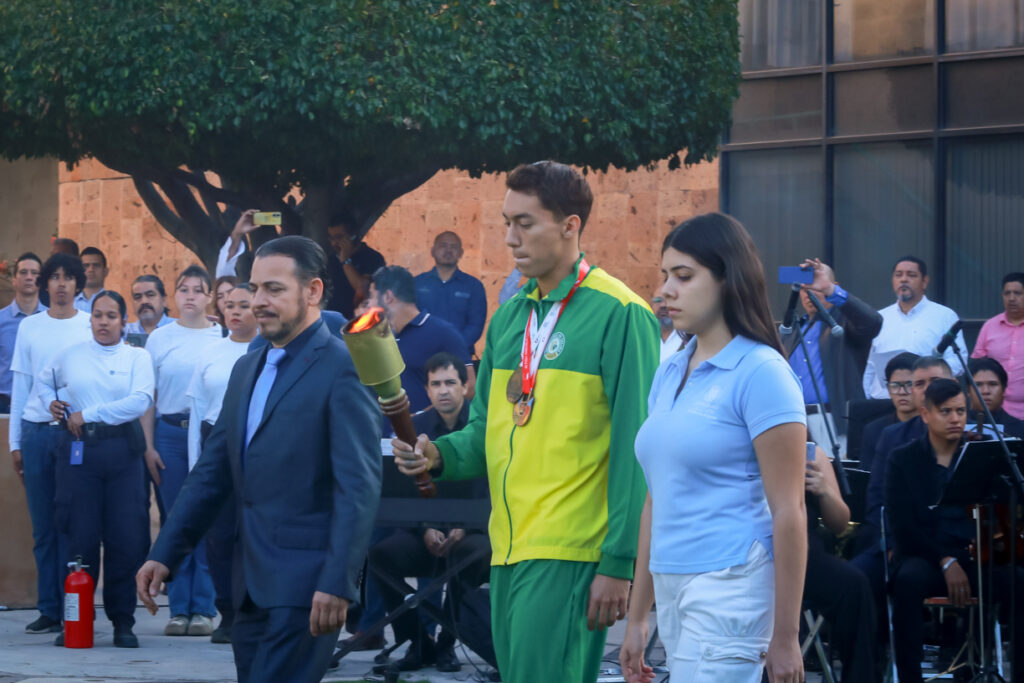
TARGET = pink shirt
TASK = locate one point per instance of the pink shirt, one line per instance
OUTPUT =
(1005, 342)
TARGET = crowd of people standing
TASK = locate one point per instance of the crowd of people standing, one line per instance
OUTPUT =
(617, 483)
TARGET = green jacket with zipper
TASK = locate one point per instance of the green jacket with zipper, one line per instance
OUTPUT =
(567, 485)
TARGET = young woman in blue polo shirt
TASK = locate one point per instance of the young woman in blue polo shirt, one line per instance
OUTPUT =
(723, 538)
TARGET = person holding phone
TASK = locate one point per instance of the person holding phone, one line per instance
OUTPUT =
(723, 533)
(108, 386)
(350, 265)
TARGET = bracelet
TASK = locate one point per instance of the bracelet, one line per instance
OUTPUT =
(949, 563)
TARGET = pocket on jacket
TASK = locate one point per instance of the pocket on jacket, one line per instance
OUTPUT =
(301, 537)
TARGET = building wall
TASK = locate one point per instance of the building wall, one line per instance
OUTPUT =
(28, 205)
(632, 214)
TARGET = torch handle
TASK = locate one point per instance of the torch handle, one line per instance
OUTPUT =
(398, 414)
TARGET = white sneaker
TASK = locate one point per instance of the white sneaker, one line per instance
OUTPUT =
(199, 625)
(177, 626)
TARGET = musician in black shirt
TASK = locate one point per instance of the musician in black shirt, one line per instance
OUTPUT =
(424, 553)
(931, 542)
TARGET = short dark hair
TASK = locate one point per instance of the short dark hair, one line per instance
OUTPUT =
(398, 281)
(1013, 277)
(309, 257)
(931, 362)
(940, 391)
(149, 277)
(922, 266)
(976, 365)
(195, 271)
(445, 359)
(71, 265)
(901, 361)
(561, 189)
(65, 245)
(116, 298)
(93, 251)
(27, 256)
(229, 279)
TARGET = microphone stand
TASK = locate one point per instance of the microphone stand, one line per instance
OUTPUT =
(844, 485)
(1016, 487)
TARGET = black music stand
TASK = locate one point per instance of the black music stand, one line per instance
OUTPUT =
(982, 476)
(457, 505)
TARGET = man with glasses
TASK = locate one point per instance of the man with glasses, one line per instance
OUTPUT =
(899, 382)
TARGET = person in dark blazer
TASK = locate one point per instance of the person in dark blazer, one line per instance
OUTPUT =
(837, 363)
(297, 442)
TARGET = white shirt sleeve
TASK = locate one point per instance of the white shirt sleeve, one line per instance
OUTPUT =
(225, 265)
(870, 378)
(20, 389)
(196, 412)
(132, 406)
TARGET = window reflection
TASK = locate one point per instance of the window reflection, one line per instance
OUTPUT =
(884, 100)
(780, 33)
(777, 109)
(983, 24)
(872, 29)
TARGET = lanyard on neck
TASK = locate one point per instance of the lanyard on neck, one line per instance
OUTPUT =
(535, 338)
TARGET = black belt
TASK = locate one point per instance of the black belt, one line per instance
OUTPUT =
(812, 408)
(98, 431)
(176, 420)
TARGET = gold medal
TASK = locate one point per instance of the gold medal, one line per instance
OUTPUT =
(521, 410)
(514, 388)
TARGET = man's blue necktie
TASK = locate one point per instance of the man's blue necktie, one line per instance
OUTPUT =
(261, 391)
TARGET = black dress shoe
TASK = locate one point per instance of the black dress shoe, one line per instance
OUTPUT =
(376, 642)
(59, 640)
(123, 637)
(221, 635)
(446, 661)
(43, 624)
(420, 654)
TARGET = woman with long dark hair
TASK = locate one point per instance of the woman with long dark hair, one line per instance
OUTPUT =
(108, 386)
(723, 539)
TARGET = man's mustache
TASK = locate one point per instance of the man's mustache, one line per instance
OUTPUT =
(144, 307)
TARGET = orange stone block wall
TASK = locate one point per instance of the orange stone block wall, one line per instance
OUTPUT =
(632, 213)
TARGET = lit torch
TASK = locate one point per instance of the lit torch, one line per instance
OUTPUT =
(379, 365)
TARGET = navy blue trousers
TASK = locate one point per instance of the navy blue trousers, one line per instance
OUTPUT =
(273, 645)
(98, 502)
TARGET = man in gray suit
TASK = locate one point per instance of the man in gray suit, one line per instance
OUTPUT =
(297, 442)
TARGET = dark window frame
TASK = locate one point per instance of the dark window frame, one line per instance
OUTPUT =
(828, 140)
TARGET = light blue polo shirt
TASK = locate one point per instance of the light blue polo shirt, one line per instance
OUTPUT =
(697, 454)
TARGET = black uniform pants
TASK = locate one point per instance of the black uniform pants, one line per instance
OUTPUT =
(843, 596)
(101, 501)
(916, 579)
(404, 554)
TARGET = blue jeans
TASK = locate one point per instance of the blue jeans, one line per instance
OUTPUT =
(39, 442)
(191, 591)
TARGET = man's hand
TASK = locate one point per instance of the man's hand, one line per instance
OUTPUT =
(19, 466)
(413, 460)
(434, 540)
(244, 225)
(149, 580)
(958, 588)
(75, 424)
(631, 654)
(154, 464)
(814, 480)
(608, 597)
(784, 663)
(328, 613)
(824, 283)
(57, 408)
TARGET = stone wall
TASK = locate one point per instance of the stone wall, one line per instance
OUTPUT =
(28, 207)
(632, 213)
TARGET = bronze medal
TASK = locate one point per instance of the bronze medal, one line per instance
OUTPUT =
(521, 410)
(514, 388)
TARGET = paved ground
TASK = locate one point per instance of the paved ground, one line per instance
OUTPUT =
(163, 659)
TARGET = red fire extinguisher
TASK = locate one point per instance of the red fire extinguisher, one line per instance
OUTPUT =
(78, 608)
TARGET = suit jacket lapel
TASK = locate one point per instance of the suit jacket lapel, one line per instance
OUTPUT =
(297, 367)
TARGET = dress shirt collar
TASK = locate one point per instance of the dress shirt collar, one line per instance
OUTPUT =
(1003, 320)
(15, 311)
(292, 348)
(918, 308)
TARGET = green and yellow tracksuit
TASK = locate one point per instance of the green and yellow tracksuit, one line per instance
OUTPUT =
(565, 487)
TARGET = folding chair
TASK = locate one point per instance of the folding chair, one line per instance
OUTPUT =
(814, 624)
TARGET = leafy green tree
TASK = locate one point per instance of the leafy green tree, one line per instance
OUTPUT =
(212, 103)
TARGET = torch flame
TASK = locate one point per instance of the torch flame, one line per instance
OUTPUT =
(366, 320)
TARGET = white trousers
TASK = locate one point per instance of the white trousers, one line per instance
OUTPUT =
(716, 626)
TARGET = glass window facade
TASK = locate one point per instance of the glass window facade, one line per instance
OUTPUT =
(897, 127)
